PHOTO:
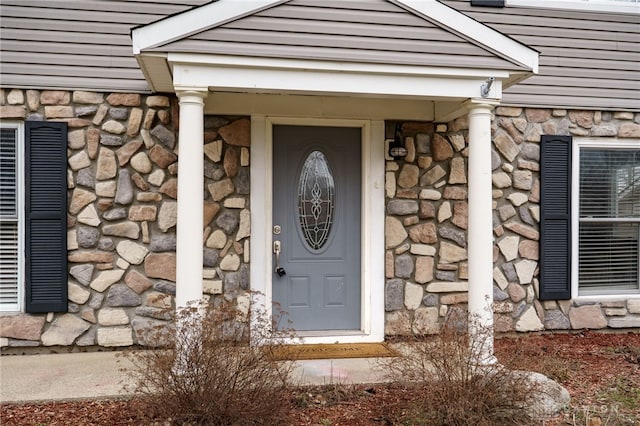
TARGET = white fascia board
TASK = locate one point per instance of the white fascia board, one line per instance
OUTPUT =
(195, 20)
(296, 81)
(331, 66)
(471, 29)
(582, 6)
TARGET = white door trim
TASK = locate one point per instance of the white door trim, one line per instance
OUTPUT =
(372, 265)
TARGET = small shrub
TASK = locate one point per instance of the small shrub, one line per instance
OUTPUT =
(451, 385)
(216, 371)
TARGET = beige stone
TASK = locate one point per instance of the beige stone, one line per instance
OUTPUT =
(123, 229)
(124, 99)
(408, 177)
(156, 178)
(10, 111)
(58, 111)
(430, 194)
(425, 321)
(167, 218)
(82, 97)
(517, 198)
(423, 250)
(72, 240)
(525, 269)
(244, 229)
(424, 162)
(395, 233)
(76, 139)
(79, 161)
(589, 316)
(141, 163)
(33, 100)
(140, 213)
(413, 296)
(448, 287)
(89, 216)
(508, 111)
(125, 152)
(506, 145)
(107, 167)
(499, 278)
(390, 184)
(509, 247)
(529, 249)
(158, 300)
(460, 215)
(115, 336)
(210, 210)
(231, 161)
(64, 330)
(633, 306)
(454, 299)
(105, 279)
(111, 316)
(581, 118)
(133, 253)
(135, 120)
(458, 171)
(213, 151)
(217, 240)
(458, 142)
(79, 199)
(455, 193)
(212, 286)
(230, 262)
(160, 265)
(87, 256)
(451, 253)
(106, 188)
(434, 175)
(100, 115)
(501, 180)
(424, 269)
(220, 190)
(629, 130)
(234, 203)
(397, 323)
(157, 101)
(21, 326)
(529, 321)
(444, 212)
(524, 230)
(522, 179)
(15, 97)
(162, 156)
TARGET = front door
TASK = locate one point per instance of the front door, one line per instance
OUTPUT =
(317, 226)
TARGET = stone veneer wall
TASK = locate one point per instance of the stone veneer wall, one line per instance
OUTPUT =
(122, 181)
(426, 223)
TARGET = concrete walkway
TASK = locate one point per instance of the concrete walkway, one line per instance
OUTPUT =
(104, 375)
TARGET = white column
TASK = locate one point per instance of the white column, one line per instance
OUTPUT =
(189, 232)
(480, 231)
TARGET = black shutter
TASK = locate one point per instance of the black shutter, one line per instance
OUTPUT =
(46, 216)
(555, 217)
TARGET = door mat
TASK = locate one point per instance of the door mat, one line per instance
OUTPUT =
(333, 351)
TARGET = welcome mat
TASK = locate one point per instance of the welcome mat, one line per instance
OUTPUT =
(332, 351)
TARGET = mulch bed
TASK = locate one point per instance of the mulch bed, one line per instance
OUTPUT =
(600, 371)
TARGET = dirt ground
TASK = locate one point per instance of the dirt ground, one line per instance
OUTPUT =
(601, 371)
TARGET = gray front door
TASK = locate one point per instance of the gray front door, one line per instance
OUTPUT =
(316, 219)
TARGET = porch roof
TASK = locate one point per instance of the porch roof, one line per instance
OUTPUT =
(358, 43)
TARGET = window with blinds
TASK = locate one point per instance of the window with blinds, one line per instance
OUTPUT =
(609, 220)
(10, 219)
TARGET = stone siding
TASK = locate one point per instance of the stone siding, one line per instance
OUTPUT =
(426, 223)
(122, 182)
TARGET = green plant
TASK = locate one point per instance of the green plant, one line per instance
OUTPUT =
(216, 370)
(451, 384)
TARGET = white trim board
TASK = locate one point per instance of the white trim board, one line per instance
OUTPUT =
(372, 266)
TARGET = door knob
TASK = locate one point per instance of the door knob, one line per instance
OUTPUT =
(277, 248)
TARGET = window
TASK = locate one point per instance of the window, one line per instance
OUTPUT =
(606, 217)
(11, 217)
(615, 6)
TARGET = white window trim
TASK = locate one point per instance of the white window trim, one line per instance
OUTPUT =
(19, 127)
(579, 143)
(610, 6)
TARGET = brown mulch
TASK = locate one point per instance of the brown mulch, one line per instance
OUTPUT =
(596, 369)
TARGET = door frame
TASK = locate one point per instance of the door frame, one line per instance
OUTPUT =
(372, 223)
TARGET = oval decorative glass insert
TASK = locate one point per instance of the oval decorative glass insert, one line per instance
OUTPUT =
(316, 199)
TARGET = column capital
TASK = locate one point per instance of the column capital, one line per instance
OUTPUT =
(198, 92)
(481, 103)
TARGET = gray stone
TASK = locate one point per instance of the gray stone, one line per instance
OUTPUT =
(402, 207)
(85, 178)
(432, 176)
(210, 257)
(228, 221)
(165, 287)
(525, 215)
(124, 193)
(96, 300)
(458, 237)
(425, 321)
(625, 322)
(499, 295)
(242, 181)
(86, 110)
(548, 398)
(110, 140)
(106, 244)
(509, 272)
(213, 171)
(430, 300)
(556, 320)
(151, 332)
(82, 273)
(422, 143)
(156, 313)
(87, 237)
(64, 330)
(232, 283)
(73, 308)
(245, 277)
(122, 295)
(89, 338)
(166, 137)
(519, 309)
(496, 161)
(394, 295)
(118, 113)
(445, 275)
(115, 214)
(530, 151)
(523, 179)
(162, 243)
(404, 266)
(506, 211)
